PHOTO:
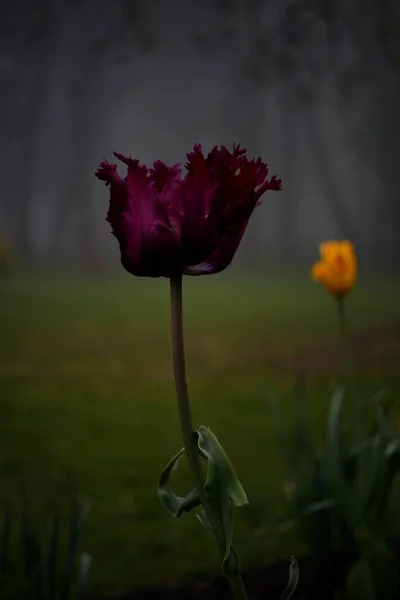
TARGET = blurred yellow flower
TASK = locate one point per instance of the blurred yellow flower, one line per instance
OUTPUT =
(337, 269)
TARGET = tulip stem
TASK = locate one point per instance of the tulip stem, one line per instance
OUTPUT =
(344, 335)
(186, 423)
(357, 417)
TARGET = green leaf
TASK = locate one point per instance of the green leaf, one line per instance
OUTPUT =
(84, 564)
(5, 534)
(359, 582)
(293, 580)
(315, 507)
(31, 553)
(202, 517)
(171, 502)
(385, 569)
(382, 399)
(388, 523)
(349, 507)
(294, 441)
(52, 552)
(300, 460)
(223, 491)
(78, 514)
(219, 470)
(375, 494)
(375, 575)
(231, 569)
(222, 485)
(231, 565)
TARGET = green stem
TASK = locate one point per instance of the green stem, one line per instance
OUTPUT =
(357, 412)
(186, 422)
(344, 337)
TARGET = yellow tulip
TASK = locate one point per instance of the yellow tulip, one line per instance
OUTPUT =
(337, 269)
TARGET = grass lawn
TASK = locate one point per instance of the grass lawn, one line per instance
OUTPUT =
(87, 396)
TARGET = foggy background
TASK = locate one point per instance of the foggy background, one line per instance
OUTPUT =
(312, 86)
(87, 400)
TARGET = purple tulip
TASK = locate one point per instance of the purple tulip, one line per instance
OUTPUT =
(166, 224)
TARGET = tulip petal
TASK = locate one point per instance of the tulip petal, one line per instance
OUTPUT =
(241, 183)
(108, 172)
(337, 269)
(317, 271)
(165, 223)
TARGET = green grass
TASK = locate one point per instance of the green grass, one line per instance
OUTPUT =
(87, 397)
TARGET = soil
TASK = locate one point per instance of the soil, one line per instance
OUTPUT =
(262, 583)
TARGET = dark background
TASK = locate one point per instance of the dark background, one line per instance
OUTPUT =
(310, 85)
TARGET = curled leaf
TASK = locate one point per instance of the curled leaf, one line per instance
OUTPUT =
(222, 485)
(174, 504)
(231, 564)
(220, 473)
(84, 565)
(293, 580)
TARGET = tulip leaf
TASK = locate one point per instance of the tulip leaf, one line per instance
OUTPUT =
(223, 490)
(318, 506)
(174, 504)
(230, 564)
(220, 473)
(359, 583)
(293, 580)
(343, 496)
(374, 575)
(52, 552)
(5, 534)
(379, 478)
(385, 569)
(77, 518)
(84, 565)
(388, 524)
(222, 485)
(382, 399)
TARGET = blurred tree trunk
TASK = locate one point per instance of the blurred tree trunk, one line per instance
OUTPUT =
(252, 116)
(97, 37)
(7, 157)
(73, 225)
(25, 116)
(31, 95)
(333, 193)
(73, 216)
(83, 105)
(288, 208)
(388, 156)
